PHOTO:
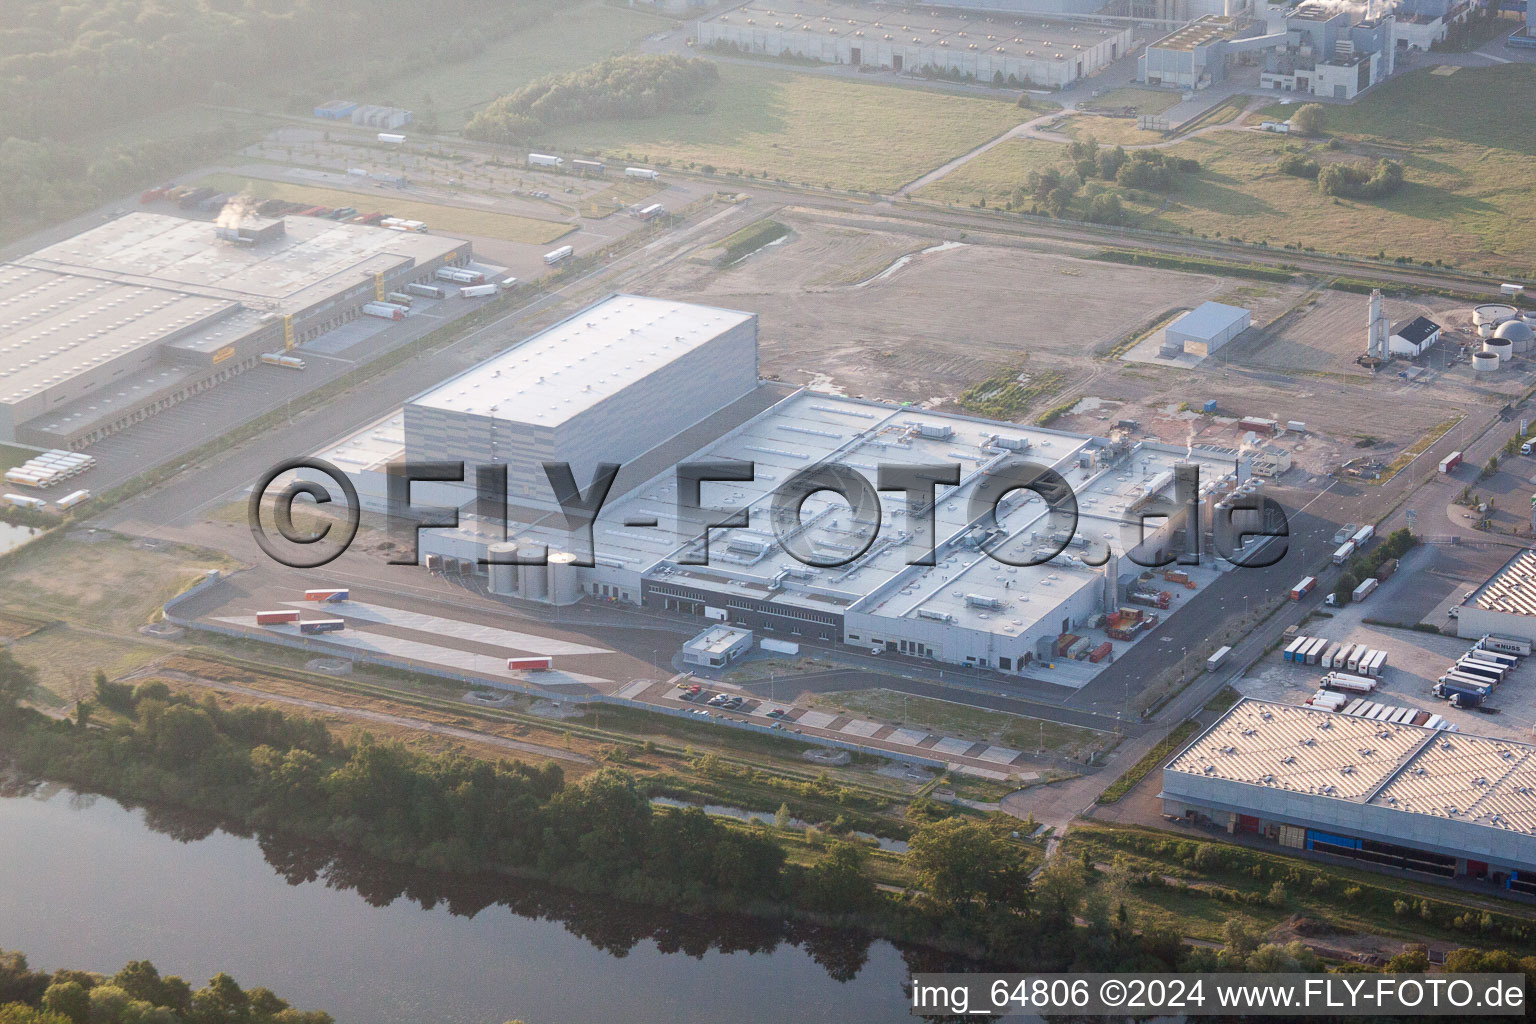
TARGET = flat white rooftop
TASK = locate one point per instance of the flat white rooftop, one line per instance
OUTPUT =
(572, 366)
(1406, 768)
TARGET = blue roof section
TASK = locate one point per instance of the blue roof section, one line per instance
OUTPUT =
(1209, 319)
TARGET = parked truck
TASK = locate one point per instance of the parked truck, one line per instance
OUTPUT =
(1303, 588)
(1450, 462)
(641, 172)
(1214, 661)
(328, 595)
(1505, 644)
(73, 498)
(1348, 682)
(1363, 536)
(1363, 591)
(384, 310)
(282, 359)
(476, 291)
(23, 501)
(322, 625)
(391, 138)
(426, 291)
(1344, 552)
(545, 160)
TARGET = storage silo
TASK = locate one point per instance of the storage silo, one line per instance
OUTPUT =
(503, 568)
(1518, 333)
(1500, 347)
(533, 580)
(564, 583)
(1484, 362)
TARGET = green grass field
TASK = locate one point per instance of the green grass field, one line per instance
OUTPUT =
(1146, 101)
(563, 43)
(1466, 200)
(451, 220)
(806, 129)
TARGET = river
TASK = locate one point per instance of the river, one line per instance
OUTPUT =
(88, 883)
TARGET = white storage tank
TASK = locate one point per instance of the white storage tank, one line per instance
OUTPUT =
(533, 581)
(1490, 315)
(1484, 362)
(503, 578)
(564, 583)
(1501, 348)
(1517, 333)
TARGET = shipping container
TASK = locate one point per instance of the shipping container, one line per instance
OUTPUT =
(544, 160)
(1296, 645)
(651, 212)
(1303, 588)
(429, 291)
(1353, 662)
(1363, 536)
(1214, 661)
(1450, 462)
(276, 617)
(330, 595)
(476, 291)
(641, 172)
(1377, 665)
(529, 664)
(1344, 552)
(559, 255)
(1480, 669)
(322, 626)
(1100, 652)
(1363, 591)
(1315, 652)
(399, 299)
(589, 167)
(459, 275)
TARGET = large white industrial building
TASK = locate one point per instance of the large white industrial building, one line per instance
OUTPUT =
(1006, 49)
(1398, 796)
(1505, 605)
(114, 324)
(968, 608)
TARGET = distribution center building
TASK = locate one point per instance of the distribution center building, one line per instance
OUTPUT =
(1505, 605)
(1006, 49)
(1399, 796)
(114, 324)
(969, 607)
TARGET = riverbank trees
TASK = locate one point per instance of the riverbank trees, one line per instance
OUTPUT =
(137, 994)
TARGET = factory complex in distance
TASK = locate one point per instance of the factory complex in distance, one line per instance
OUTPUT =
(619, 364)
(114, 324)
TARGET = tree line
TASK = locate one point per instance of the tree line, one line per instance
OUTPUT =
(627, 88)
(137, 994)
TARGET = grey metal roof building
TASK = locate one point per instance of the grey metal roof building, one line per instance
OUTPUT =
(1011, 48)
(1433, 801)
(119, 321)
(1207, 328)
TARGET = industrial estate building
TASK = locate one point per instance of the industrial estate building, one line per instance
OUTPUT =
(1413, 337)
(969, 607)
(987, 47)
(1505, 605)
(112, 325)
(1206, 328)
(1400, 796)
(1314, 48)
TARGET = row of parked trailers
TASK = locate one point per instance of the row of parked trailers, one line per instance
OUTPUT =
(52, 467)
(1360, 707)
(550, 161)
(1358, 542)
(1358, 658)
(1468, 682)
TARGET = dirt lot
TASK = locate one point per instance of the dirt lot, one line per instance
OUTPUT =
(832, 317)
